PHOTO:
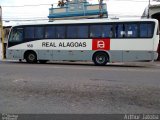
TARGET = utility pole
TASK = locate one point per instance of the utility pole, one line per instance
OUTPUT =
(100, 8)
(149, 3)
(1, 30)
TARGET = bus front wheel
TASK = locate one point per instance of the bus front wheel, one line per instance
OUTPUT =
(31, 57)
(100, 58)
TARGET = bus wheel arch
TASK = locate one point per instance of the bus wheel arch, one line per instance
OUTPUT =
(100, 58)
(30, 56)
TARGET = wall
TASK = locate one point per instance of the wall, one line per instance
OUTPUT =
(154, 12)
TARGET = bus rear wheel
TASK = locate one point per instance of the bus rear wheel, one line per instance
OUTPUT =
(31, 57)
(100, 58)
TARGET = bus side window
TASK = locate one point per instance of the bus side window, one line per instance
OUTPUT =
(29, 33)
(82, 31)
(50, 32)
(39, 32)
(119, 33)
(71, 31)
(146, 30)
(131, 30)
(107, 31)
(95, 31)
(60, 32)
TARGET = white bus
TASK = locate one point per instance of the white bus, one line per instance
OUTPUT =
(97, 40)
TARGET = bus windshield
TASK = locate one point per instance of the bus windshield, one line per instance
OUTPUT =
(16, 35)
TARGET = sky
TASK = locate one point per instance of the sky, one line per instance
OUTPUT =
(39, 9)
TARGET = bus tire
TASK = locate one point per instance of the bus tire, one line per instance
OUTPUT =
(100, 58)
(31, 57)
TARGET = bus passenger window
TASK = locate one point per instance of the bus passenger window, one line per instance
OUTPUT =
(50, 32)
(82, 31)
(120, 33)
(107, 31)
(29, 33)
(60, 32)
(146, 30)
(71, 31)
(39, 32)
(96, 31)
(131, 30)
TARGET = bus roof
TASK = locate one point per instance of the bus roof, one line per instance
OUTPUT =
(76, 21)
